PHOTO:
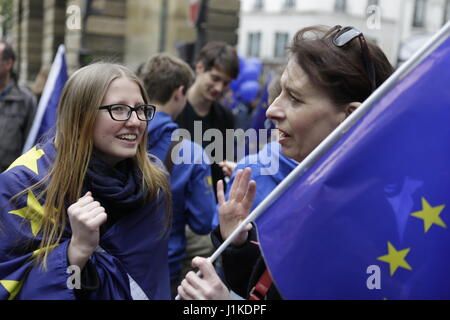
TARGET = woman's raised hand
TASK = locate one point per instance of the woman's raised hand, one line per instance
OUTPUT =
(85, 216)
(233, 211)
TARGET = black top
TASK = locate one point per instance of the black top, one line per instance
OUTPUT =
(218, 118)
(243, 266)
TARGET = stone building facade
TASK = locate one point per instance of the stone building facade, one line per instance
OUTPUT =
(123, 31)
(399, 26)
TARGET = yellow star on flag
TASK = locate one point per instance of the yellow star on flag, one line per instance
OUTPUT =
(35, 253)
(430, 215)
(28, 160)
(33, 212)
(209, 181)
(13, 287)
(395, 258)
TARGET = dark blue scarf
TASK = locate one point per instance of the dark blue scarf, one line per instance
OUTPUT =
(134, 245)
(118, 188)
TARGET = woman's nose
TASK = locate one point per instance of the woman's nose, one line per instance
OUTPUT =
(275, 112)
(133, 120)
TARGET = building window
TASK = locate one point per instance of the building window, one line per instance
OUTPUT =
(254, 43)
(281, 43)
(340, 5)
(289, 4)
(419, 13)
(258, 5)
(447, 12)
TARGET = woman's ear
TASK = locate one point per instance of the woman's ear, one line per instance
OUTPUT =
(351, 107)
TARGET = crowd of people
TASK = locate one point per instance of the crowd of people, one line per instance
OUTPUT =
(108, 195)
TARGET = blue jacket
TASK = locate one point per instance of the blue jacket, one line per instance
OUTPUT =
(269, 167)
(133, 248)
(191, 184)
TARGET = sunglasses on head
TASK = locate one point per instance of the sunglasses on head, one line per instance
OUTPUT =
(344, 36)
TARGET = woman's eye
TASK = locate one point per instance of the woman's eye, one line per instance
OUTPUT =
(118, 109)
(294, 99)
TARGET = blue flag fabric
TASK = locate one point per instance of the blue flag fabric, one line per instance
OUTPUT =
(370, 220)
(131, 261)
(45, 118)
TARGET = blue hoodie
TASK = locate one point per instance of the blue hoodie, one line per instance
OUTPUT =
(191, 184)
(269, 167)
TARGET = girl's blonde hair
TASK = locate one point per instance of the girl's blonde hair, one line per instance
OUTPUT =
(77, 112)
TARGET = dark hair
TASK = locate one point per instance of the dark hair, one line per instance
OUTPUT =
(339, 71)
(162, 74)
(8, 53)
(274, 89)
(221, 56)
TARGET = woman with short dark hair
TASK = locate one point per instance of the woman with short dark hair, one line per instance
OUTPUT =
(330, 72)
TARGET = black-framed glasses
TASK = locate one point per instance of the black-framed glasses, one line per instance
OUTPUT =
(344, 36)
(122, 112)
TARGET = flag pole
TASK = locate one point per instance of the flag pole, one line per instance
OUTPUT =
(326, 144)
(331, 139)
(46, 93)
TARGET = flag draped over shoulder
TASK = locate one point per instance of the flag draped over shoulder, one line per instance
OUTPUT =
(370, 220)
(130, 263)
(45, 117)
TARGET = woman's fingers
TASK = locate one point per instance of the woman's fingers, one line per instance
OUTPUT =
(249, 196)
(193, 279)
(89, 211)
(183, 291)
(235, 185)
(243, 185)
(205, 266)
(220, 193)
(240, 184)
(191, 288)
(248, 227)
(91, 206)
(97, 221)
(86, 214)
(210, 285)
(83, 201)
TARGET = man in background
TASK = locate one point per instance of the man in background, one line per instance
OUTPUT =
(166, 80)
(216, 66)
(17, 109)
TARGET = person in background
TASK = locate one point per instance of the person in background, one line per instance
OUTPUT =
(269, 166)
(274, 90)
(86, 215)
(330, 72)
(216, 66)
(17, 109)
(166, 80)
(39, 82)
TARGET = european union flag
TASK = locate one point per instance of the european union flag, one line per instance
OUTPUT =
(45, 118)
(370, 219)
(130, 262)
